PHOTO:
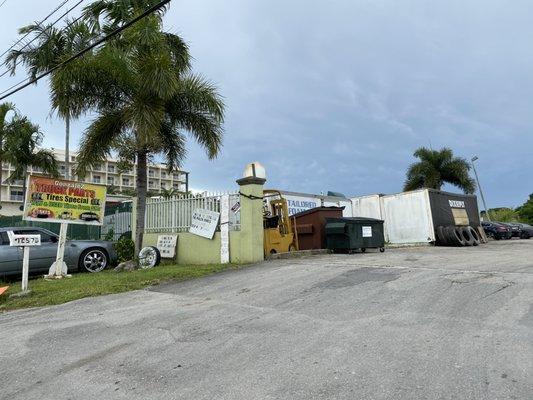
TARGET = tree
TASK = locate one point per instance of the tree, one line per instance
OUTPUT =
(46, 47)
(4, 109)
(436, 168)
(22, 151)
(525, 211)
(144, 94)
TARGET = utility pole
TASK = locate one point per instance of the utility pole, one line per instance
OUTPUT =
(479, 186)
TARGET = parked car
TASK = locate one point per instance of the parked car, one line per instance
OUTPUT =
(526, 231)
(80, 255)
(496, 230)
(515, 228)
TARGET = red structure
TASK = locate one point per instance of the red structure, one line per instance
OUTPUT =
(310, 226)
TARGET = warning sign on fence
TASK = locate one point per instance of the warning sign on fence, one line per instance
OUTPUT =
(62, 201)
(204, 223)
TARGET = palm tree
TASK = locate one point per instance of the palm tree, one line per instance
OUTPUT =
(438, 167)
(52, 45)
(4, 109)
(22, 151)
(144, 94)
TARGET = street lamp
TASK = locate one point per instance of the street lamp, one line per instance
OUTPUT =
(479, 186)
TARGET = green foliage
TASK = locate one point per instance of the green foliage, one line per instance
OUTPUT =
(526, 211)
(109, 235)
(22, 149)
(504, 215)
(125, 248)
(145, 98)
(436, 168)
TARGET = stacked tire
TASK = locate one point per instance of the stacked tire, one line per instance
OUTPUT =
(457, 236)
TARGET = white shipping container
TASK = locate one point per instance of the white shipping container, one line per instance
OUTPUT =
(407, 215)
(367, 206)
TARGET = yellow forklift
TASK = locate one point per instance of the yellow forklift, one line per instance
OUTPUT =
(280, 234)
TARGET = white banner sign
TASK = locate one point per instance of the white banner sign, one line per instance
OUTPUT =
(167, 245)
(367, 231)
(204, 223)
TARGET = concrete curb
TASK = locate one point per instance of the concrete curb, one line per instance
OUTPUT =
(297, 254)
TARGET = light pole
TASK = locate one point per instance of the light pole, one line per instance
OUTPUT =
(479, 186)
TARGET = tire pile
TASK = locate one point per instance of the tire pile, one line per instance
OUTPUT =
(458, 236)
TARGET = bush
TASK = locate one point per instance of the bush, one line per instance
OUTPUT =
(125, 249)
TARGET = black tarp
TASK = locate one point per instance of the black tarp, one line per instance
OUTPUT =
(453, 209)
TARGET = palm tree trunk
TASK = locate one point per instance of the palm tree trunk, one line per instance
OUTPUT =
(67, 144)
(141, 199)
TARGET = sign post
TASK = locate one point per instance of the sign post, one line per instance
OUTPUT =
(64, 202)
(24, 241)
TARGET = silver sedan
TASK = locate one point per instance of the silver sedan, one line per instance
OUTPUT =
(80, 255)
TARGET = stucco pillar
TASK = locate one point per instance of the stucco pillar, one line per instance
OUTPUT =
(251, 235)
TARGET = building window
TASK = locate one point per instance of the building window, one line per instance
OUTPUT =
(72, 158)
(176, 185)
(163, 174)
(125, 181)
(176, 176)
(97, 167)
(151, 173)
(151, 183)
(17, 195)
(110, 180)
(111, 168)
(96, 178)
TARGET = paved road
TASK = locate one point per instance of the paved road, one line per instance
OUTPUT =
(419, 323)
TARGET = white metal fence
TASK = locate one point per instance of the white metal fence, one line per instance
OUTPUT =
(174, 214)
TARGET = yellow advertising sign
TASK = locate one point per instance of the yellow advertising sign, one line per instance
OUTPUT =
(62, 201)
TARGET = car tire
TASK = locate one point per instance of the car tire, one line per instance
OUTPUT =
(467, 236)
(454, 236)
(156, 257)
(442, 240)
(93, 260)
(475, 236)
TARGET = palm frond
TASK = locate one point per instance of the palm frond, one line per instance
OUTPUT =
(98, 140)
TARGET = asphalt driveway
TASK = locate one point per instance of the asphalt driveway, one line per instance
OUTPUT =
(418, 323)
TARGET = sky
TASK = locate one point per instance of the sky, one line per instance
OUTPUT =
(337, 95)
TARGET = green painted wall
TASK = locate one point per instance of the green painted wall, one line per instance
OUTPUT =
(245, 246)
(192, 249)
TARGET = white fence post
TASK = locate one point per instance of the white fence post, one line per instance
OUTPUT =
(224, 229)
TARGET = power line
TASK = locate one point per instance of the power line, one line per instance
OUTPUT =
(87, 49)
(2, 3)
(42, 21)
(40, 33)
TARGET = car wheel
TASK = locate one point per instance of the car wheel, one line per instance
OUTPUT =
(93, 260)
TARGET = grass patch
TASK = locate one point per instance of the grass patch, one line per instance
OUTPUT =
(46, 293)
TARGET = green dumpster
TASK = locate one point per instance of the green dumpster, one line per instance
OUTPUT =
(350, 234)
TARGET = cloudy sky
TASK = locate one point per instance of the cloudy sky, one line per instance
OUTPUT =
(336, 95)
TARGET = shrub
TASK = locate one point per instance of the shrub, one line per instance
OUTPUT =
(125, 249)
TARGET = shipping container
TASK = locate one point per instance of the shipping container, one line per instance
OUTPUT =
(411, 217)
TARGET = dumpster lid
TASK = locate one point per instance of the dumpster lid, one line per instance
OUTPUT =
(316, 209)
(353, 219)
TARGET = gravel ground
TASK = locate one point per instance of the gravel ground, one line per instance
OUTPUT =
(412, 323)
